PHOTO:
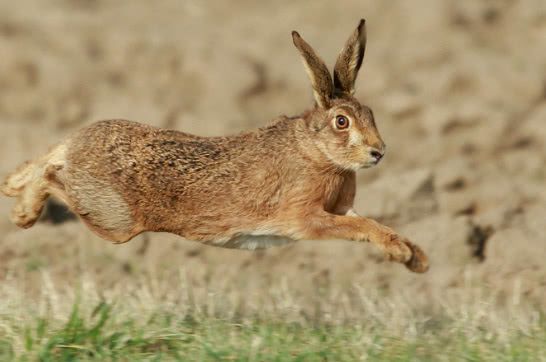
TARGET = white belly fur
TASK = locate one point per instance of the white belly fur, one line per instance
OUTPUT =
(254, 242)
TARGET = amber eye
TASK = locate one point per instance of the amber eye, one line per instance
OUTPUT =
(342, 122)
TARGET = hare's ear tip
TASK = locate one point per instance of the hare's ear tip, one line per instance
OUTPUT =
(296, 38)
(362, 23)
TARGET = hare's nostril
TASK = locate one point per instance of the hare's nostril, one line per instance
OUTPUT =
(376, 154)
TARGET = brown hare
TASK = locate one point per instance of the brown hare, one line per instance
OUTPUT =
(293, 179)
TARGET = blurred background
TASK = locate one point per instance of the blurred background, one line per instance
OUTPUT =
(458, 89)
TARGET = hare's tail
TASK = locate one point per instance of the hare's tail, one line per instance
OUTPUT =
(29, 184)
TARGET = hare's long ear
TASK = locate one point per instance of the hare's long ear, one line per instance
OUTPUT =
(321, 80)
(349, 60)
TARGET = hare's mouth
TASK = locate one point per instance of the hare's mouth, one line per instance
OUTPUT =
(370, 163)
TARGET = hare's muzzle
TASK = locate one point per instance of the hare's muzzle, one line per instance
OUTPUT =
(376, 155)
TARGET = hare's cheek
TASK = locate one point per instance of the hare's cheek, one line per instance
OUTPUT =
(354, 138)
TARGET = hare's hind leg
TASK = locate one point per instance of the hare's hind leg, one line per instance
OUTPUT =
(98, 206)
(115, 236)
(30, 185)
(101, 208)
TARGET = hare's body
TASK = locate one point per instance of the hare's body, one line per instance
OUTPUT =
(291, 180)
(123, 177)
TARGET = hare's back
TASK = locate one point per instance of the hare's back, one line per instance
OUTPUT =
(127, 164)
(135, 155)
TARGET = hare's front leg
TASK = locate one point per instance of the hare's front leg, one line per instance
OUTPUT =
(398, 248)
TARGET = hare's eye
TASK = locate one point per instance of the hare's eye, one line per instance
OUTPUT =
(342, 122)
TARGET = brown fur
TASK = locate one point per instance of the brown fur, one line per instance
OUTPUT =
(293, 179)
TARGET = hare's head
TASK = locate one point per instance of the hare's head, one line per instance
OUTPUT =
(343, 129)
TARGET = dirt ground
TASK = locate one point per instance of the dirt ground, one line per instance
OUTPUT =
(459, 93)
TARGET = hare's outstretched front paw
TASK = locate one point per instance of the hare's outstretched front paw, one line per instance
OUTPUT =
(396, 248)
(418, 263)
(401, 250)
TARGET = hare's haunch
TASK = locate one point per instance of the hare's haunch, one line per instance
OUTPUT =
(291, 180)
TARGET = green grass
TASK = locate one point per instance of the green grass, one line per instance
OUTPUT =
(100, 334)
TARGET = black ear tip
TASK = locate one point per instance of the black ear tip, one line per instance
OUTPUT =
(296, 38)
(362, 23)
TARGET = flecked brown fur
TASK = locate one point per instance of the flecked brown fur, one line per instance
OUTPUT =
(293, 179)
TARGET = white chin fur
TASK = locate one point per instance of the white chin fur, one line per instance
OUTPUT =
(367, 165)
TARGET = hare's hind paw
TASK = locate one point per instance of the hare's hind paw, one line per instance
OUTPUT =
(23, 217)
(418, 263)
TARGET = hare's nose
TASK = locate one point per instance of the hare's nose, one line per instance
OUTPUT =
(378, 155)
